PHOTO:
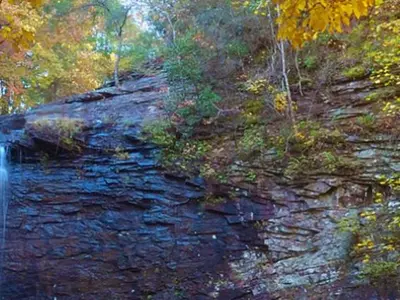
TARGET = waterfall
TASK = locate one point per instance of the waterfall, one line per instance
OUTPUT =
(3, 202)
(3, 191)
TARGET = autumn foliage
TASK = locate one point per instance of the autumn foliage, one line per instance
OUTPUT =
(303, 20)
(52, 49)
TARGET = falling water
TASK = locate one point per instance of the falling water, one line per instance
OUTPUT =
(3, 203)
(3, 190)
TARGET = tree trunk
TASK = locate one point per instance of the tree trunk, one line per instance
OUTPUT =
(286, 82)
(287, 86)
(117, 61)
(120, 31)
(172, 28)
(296, 61)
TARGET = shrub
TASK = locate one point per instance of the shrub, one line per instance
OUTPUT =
(61, 131)
(379, 270)
(206, 101)
(67, 127)
(145, 46)
(191, 112)
(121, 154)
(210, 172)
(332, 162)
(252, 141)
(183, 60)
(377, 231)
(326, 161)
(237, 48)
(296, 166)
(312, 137)
(158, 133)
(180, 154)
(383, 45)
(257, 87)
(253, 111)
(355, 72)
(192, 98)
(386, 93)
(367, 121)
(310, 62)
(391, 108)
(349, 224)
(251, 176)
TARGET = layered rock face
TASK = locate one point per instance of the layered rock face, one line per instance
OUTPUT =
(89, 225)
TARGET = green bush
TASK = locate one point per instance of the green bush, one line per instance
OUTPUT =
(191, 98)
(237, 48)
(158, 133)
(380, 270)
(355, 72)
(367, 121)
(349, 224)
(180, 154)
(310, 62)
(331, 161)
(376, 230)
(192, 112)
(252, 141)
(251, 176)
(60, 130)
(252, 114)
(325, 161)
(296, 166)
(183, 60)
(312, 138)
(146, 46)
(385, 93)
(206, 102)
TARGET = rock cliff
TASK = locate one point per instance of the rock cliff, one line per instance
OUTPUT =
(85, 224)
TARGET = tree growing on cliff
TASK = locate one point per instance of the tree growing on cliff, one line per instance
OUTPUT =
(302, 21)
(165, 15)
(116, 17)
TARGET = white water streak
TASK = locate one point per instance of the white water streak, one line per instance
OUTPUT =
(3, 202)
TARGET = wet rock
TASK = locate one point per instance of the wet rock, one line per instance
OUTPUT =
(88, 225)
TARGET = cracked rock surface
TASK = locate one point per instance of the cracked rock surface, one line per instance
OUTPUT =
(93, 226)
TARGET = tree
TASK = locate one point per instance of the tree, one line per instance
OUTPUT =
(51, 49)
(303, 20)
(118, 23)
(19, 21)
(62, 69)
(64, 59)
(115, 16)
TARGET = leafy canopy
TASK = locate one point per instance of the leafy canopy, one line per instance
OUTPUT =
(300, 21)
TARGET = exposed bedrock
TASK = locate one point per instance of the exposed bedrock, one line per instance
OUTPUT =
(93, 226)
